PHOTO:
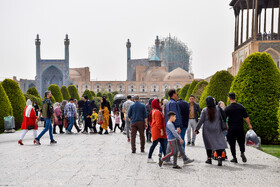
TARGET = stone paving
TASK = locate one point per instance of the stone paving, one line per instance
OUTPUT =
(95, 160)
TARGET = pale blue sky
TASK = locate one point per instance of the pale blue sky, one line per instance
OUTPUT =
(98, 30)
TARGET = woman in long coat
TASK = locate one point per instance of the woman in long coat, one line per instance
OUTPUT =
(105, 111)
(158, 128)
(29, 122)
(213, 136)
(58, 114)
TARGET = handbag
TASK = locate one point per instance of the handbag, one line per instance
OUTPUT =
(100, 118)
(222, 122)
(65, 123)
(31, 127)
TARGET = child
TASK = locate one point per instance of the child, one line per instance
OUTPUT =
(172, 137)
(117, 121)
(94, 119)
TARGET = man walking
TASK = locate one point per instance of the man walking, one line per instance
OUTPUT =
(125, 108)
(193, 119)
(70, 113)
(47, 114)
(236, 113)
(87, 112)
(138, 115)
(184, 109)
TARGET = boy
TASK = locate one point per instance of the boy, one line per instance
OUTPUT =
(172, 137)
(94, 119)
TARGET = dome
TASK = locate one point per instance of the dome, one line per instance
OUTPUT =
(74, 73)
(178, 74)
(156, 74)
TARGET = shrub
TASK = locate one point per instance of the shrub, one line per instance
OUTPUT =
(52, 99)
(190, 90)
(183, 92)
(73, 92)
(92, 93)
(65, 93)
(88, 93)
(218, 87)
(110, 98)
(257, 87)
(99, 94)
(278, 116)
(6, 107)
(16, 98)
(97, 102)
(197, 91)
(56, 92)
(33, 91)
(33, 98)
(115, 93)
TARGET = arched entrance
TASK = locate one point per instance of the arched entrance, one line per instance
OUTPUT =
(52, 75)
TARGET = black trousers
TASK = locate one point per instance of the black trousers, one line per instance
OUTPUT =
(76, 126)
(94, 126)
(233, 136)
(60, 128)
(117, 125)
(148, 133)
(110, 123)
(87, 124)
(123, 125)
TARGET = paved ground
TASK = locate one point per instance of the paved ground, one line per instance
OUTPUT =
(94, 160)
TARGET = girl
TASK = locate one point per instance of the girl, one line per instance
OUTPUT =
(117, 121)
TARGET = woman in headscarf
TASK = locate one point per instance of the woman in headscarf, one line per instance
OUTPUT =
(64, 120)
(104, 109)
(29, 122)
(58, 114)
(213, 136)
(158, 128)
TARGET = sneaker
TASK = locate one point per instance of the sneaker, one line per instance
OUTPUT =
(208, 161)
(177, 167)
(53, 142)
(244, 159)
(160, 162)
(128, 140)
(159, 155)
(189, 143)
(167, 163)
(220, 161)
(37, 141)
(188, 161)
(68, 132)
(133, 152)
(193, 144)
(234, 160)
(150, 160)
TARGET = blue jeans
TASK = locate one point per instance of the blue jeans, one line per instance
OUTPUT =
(71, 123)
(47, 128)
(161, 141)
(183, 133)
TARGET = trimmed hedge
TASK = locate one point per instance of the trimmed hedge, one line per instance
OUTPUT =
(99, 94)
(183, 92)
(198, 90)
(52, 99)
(218, 87)
(56, 92)
(190, 90)
(16, 98)
(65, 93)
(97, 102)
(88, 93)
(278, 116)
(92, 93)
(110, 98)
(115, 93)
(257, 87)
(73, 92)
(6, 107)
(33, 91)
(33, 98)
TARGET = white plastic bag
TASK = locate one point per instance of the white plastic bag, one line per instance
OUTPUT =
(251, 138)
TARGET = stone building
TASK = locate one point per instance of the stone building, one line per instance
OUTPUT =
(259, 38)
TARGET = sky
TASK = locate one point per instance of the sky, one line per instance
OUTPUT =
(98, 31)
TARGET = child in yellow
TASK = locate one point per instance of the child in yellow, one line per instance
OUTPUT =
(94, 120)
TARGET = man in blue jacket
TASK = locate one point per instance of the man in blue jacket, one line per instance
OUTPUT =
(184, 109)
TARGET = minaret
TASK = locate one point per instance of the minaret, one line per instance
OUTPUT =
(38, 58)
(157, 42)
(128, 46)
(66, 67)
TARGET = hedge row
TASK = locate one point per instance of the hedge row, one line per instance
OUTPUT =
(65, 93)
(183, 92)
(6, 107)
(190, 90)
(198, 90)
(56, 92)
(73, 92)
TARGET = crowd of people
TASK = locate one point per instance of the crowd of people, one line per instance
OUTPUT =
(165, 121)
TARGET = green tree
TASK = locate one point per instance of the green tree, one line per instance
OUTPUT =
(87, 93)
(166, 94)
(92, 93)
(190, 90)
(33, 98)
(257, 88)
(65, 93)
(218, 87)
(73, 92)
(16, 98)
(110, 98)
(115, 93)
(56, 92)
(33, 91)
(6, 107)
(199, 88)
(97, 102)
(99, 94)
(183, 92)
